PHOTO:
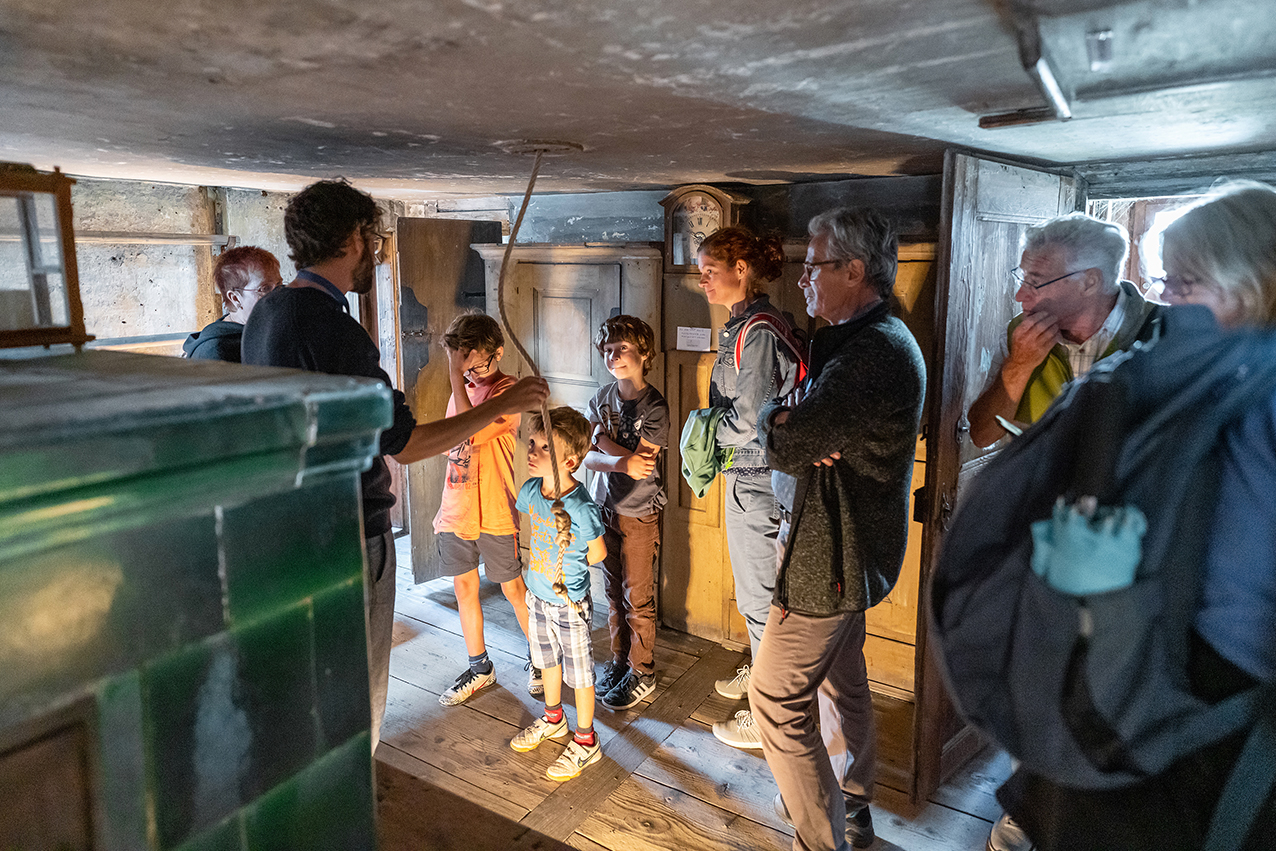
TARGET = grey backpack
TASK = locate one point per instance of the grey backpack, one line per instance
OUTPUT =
(1092, 691)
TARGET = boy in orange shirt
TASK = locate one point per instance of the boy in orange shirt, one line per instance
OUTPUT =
(477, 517)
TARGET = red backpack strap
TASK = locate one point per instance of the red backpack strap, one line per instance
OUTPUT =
(782, 332)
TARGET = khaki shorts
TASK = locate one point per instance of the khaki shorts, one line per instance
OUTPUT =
(499, 553)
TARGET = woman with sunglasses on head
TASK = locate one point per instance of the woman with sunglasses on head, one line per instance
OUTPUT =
(758, 360)
(1220, 255)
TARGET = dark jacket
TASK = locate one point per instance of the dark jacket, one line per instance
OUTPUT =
(864, 400)
(217, 341)
(305, 328)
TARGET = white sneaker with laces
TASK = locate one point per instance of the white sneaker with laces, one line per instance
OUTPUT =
(736, 687)
(465, 686)
(542, 728)
(535, 682)
(574, 760)
(740, 732)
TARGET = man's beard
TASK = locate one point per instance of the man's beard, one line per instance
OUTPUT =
(365, 273)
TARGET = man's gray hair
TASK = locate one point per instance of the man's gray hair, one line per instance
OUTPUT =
(1088, 243)
(857, 233)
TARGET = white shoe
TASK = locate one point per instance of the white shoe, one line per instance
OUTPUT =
(541, 729)
(535, 682)
(740, 732)
(736, 687)
(465, 686)
(574, 760)
(1007, 835)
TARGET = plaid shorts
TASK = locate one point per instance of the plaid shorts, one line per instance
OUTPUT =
(559, 636)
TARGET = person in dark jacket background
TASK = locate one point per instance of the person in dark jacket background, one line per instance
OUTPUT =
(845, 441)
(242, 276)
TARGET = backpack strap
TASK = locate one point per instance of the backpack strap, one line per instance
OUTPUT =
(1247, 788)
(782, 332)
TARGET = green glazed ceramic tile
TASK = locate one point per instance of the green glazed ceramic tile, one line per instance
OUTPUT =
(200, 738)
(227, 836)
(73, 614)
(328, 807)
(341, 663)
(276, 690)
(287, 546)
(122, 763)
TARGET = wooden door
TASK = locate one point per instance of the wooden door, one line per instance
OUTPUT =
(987, 207)
(440, 276)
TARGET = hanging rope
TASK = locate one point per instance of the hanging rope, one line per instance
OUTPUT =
(562, 520)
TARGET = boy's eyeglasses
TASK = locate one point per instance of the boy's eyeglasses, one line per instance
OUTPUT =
(482, 368)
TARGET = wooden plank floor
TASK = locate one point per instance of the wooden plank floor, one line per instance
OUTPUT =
(447, 778)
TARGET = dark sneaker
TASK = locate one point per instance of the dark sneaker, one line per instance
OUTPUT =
(859, 825)
(859, 828)
(465, 686)
(629, 691)
(613, 672)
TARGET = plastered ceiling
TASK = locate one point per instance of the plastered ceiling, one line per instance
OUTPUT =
(410, 98)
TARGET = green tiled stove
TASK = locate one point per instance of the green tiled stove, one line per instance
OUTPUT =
(182, 653)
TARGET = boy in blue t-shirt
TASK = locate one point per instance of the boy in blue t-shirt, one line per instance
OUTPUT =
(558, 602)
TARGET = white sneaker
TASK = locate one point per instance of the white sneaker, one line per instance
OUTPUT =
(736, 687)
(740, 732)
(465, 686)
(541, 729)
(574, 760)
(1007, 835)
(535, 682)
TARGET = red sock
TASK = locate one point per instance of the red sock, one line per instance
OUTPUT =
(554, 715)
(586, 738)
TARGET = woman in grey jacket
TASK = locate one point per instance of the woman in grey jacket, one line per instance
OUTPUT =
(759, 359)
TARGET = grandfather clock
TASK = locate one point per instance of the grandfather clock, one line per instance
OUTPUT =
(691, 214)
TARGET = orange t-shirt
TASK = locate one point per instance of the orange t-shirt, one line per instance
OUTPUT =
(479, 492)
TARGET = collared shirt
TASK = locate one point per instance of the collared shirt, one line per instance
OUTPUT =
(1081, 356)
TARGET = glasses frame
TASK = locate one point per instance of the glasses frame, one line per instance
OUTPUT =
(1016, 275)
(808, 269)
(486, 366)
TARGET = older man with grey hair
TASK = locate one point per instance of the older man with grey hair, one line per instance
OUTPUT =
(1076, 311)
(843, 450)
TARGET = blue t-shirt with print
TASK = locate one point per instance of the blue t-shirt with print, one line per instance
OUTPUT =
(587, 525)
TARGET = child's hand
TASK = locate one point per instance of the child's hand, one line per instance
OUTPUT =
(639, 466)
(455, 360)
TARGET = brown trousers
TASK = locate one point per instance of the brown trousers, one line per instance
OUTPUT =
(633, 545)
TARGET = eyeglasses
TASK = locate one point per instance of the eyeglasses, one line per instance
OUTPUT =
(264, 289)
(1017, 276)
(376, 241)
(808, 269)
(1176, 286)
(482, 368)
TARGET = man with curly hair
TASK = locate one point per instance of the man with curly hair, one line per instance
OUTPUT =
(332, 231)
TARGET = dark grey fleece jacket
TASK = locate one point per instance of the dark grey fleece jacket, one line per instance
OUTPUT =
(864, 400)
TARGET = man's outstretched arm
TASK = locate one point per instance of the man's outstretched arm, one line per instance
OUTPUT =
(435, 438)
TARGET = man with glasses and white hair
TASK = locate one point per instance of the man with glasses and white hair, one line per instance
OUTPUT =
(1076, 310)
(842, 450)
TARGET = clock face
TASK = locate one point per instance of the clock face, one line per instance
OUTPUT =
(695, 218)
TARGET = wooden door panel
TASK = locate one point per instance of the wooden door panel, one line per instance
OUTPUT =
(440, 276)
(987, 206)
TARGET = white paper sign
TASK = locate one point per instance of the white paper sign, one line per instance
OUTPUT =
(695, 339)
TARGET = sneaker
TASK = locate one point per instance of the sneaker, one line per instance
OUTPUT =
(736, 687)
(574, 760)
(1007, 835)
(465, 686)
(740, 731)
(540, 730)
(535, 684)
(629, 691)
(859, 824)
(859, 827)
(613, 672)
